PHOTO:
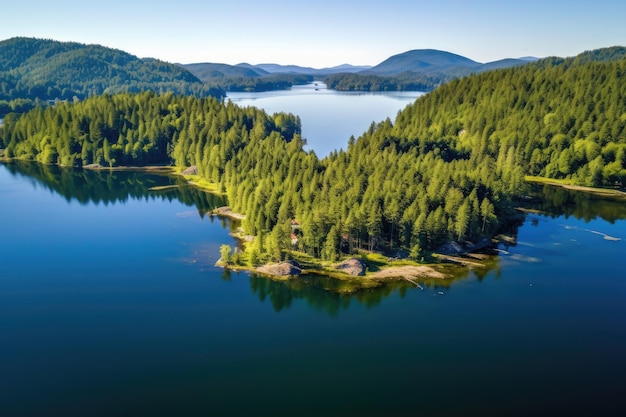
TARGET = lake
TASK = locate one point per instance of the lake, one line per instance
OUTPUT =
(110, 304)
(329, 117)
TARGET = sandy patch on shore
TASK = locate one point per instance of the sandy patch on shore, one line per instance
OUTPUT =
(409, 271)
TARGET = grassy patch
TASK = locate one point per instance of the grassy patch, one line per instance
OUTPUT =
(201, 182)
(546, 180)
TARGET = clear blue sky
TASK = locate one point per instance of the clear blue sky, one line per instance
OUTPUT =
(322, 33)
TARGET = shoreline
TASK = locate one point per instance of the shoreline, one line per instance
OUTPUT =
(377, 268)
(376, 271)
(602, 192)
(148, 168)
(226, 211)
(410, 273)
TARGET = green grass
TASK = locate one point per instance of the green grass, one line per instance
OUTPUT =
(546, 180)
(201, 182)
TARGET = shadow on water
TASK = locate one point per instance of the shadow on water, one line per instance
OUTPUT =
(319, 292)
(555, 201)
(332, 295)
(109, 187)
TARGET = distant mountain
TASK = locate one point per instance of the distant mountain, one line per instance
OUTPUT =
(206, 71)
(529, 58)
(260, 71)
(420, 69)
(43, 69)
(503, 63)
(46, 69)
(285, 69)
(421, 61)
(262, 77)
(245, 77)
(347, 68)
(432, 61)
(295, 69)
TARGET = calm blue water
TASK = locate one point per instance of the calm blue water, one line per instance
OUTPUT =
(329, 117)
(110, 305)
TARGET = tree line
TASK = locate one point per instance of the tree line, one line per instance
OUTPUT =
(448, 168)
(111, 187)
(35, 71)
(406, 81)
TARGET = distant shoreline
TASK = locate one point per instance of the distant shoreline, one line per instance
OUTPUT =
(148, 168)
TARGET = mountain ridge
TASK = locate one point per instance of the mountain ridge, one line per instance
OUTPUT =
(45, 69)
(418, 69)
(421, 60)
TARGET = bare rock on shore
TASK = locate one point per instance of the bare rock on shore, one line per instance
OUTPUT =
(450, 248)
(455, 248)
(481, 244)
(282, 269)
(352, 266)
(192, 170)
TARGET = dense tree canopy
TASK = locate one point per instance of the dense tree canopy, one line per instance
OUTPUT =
(373, 82)
(110, 187)
(448, 168)
(34, 71)
(561, 119)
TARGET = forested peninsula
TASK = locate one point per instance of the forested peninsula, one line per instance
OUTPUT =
(449, 168)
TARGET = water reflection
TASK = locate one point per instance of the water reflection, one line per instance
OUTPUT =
(332, 295)
(557, 201)
(109, 187)
(320, 293)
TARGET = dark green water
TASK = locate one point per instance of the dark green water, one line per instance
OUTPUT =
(110, 306)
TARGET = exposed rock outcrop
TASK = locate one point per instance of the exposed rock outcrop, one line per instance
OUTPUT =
(456, 248)
(450, 248)
(282, 269)
(352, 266)
(192, 170)
(482, 243)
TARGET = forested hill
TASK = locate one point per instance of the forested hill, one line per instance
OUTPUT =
(245, 77)
(420, 69)
(558, 118)
(424, 60)
(449, 168)
(47, 70)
